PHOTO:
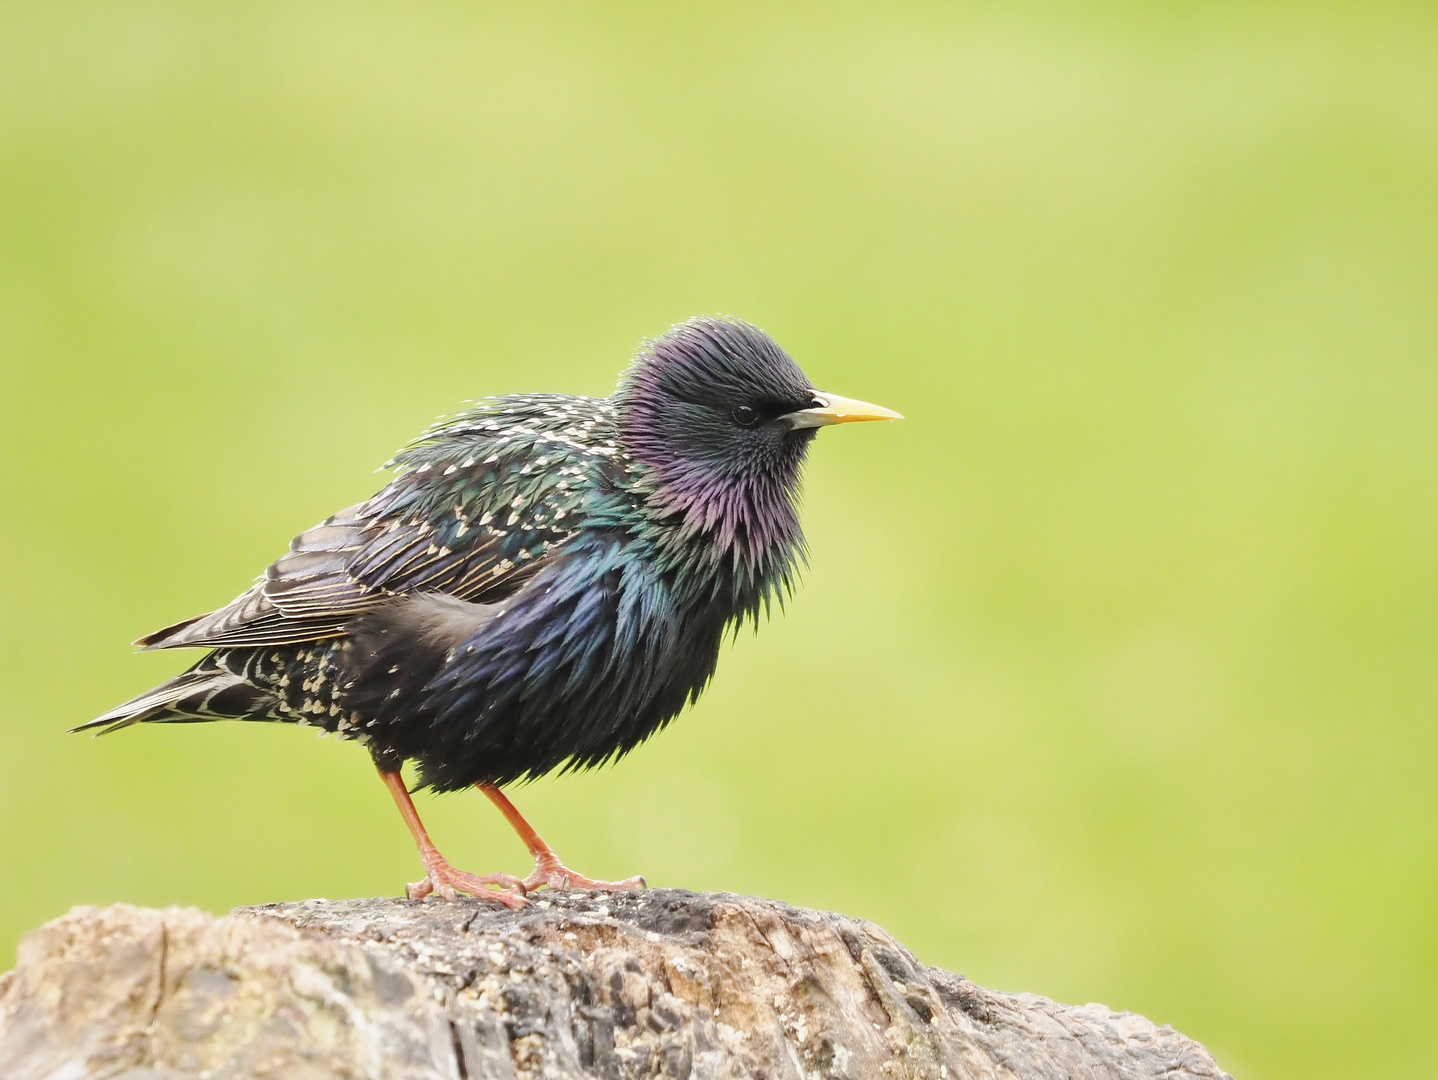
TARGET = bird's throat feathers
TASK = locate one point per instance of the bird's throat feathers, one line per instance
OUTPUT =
(739, 545)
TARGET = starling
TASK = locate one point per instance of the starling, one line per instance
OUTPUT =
(544, 584)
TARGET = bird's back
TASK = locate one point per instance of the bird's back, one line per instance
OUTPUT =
(494, 612)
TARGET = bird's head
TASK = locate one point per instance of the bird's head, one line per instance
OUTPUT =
(723, 416)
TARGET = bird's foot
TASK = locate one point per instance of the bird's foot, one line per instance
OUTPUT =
(548, 870)
(444, 879)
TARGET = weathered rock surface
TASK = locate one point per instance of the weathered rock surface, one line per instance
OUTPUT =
(659, 983)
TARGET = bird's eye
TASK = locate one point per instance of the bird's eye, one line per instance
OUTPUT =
(745, 415)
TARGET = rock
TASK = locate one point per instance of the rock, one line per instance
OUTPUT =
(662, 983)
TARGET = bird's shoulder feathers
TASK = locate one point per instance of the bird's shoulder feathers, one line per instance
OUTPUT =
(482, 501)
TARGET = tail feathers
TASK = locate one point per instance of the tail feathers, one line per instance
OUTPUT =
(210, 694)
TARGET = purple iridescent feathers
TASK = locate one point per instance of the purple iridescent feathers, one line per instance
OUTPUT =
(737, 489)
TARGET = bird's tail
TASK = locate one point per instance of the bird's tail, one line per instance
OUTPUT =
(205, 692)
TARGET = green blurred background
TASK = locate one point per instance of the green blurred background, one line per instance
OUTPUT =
(1113, 677)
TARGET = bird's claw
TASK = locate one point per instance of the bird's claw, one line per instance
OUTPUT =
(445, 880)
(554, 874)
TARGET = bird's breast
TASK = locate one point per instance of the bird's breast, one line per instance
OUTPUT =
(592, 656)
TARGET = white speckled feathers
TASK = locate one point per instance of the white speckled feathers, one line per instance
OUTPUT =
(482, 499)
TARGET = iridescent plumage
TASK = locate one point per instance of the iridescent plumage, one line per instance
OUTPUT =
(545, 583)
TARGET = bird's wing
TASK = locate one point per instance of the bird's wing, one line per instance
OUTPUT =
(475, 519)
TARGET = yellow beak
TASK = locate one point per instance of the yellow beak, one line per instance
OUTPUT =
(838, 410)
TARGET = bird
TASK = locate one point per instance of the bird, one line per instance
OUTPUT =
(546, 581)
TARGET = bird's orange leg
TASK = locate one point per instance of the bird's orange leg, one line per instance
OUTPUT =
(548, 870)
(439, 876)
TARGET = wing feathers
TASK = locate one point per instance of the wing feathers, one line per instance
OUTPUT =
(249, 608)
(472, 536)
